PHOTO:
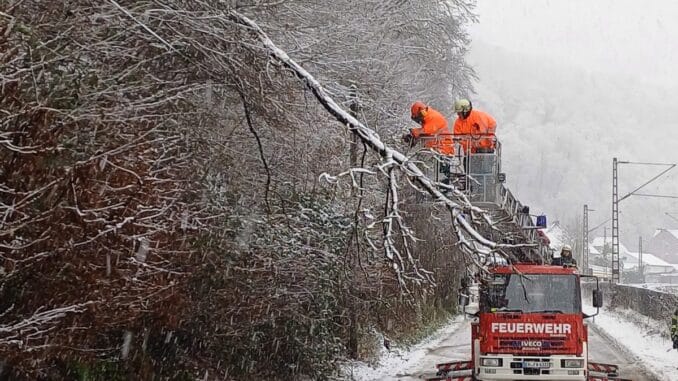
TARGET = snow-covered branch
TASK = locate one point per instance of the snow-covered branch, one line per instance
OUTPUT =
(459, 207)
(40, 322)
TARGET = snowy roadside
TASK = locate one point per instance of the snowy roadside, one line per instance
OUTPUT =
(398, 360)
(641, 337)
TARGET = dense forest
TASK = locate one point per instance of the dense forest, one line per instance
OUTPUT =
(177, 204)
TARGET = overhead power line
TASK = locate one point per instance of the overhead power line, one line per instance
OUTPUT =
(633, 192)
(654, 195)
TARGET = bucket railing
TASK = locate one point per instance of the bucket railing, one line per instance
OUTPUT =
(475, 169)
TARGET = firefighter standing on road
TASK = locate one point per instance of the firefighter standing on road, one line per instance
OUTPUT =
(433, 125)
(565, 258)
(477, 125)
(674, 329)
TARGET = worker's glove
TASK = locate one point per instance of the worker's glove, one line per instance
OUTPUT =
(407, 137)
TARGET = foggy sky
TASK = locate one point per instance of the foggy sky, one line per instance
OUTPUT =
(614, 36)
(574, 83)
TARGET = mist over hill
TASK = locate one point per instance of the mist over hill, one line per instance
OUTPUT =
(561, 125)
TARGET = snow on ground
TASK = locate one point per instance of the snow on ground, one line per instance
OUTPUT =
(635, 342)
(644, 338)
(398, 360)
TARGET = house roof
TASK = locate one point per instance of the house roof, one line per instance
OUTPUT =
(648, 259)
(673, 232)
(593, 250)
(557, 236)
(598, 242)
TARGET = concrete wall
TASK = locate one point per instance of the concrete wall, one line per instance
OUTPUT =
(654, 304)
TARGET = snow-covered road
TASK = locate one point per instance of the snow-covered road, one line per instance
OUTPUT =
(642, 338)
(604, 350)
(455, 345)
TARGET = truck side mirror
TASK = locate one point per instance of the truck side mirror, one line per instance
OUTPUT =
(463, 300)
(597, 298)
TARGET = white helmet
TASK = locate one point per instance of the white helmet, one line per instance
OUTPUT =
(462, 105)
(566, 248)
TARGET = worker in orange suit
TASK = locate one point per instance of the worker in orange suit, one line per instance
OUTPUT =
(477, 125)
(433, 125)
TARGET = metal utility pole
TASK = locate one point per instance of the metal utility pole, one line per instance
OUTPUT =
(615, 224)
(640, 259)
(615, 206)
(585, 240)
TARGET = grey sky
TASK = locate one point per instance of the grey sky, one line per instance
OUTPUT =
(632, 37)
(572, 84)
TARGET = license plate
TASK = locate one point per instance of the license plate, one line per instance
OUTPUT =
(536, 364)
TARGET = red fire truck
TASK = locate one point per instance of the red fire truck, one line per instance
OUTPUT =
(530, 326)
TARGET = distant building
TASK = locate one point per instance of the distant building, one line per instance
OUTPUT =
(664, 245)
(651, 264)
(668, 278)
(593, 251)
(655, 269)
(603, 245)
(602, 272)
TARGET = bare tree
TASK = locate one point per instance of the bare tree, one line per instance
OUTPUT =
(161, 195)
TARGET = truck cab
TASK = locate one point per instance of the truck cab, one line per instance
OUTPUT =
(530, 325)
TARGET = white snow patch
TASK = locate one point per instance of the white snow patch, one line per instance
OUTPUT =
(558, 237)
(645, 338)
(399, 360)
(126, 343)
(142, 250)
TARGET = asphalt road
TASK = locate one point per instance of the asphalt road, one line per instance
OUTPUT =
(457, 346)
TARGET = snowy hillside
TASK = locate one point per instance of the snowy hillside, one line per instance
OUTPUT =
(561, 126)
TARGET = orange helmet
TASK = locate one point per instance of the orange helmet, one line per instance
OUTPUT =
(418, 110)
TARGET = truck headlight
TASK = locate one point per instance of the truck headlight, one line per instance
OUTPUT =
(490, 361)
(572, 363)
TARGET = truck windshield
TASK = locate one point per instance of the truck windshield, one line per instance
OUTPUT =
(531, 293)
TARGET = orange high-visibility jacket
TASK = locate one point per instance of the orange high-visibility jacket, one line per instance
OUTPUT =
(480, 126)
(433, 126)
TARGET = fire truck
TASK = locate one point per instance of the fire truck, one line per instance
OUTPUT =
(530, 323)
(530, 326)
